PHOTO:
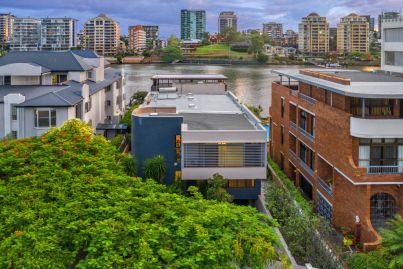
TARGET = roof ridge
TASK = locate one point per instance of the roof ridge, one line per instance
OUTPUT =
(64, 99)
(78, 60)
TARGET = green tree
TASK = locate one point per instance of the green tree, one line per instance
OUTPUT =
(256, 43)
(129, 165)
(231, 36)
(392, 241)
(66, 202)
(173, 41)
(171, 53)
(216, 189)
(138, 97)
(155, 168)
(262, 58)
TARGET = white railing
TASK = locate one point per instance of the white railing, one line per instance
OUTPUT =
(293, 125)
(385, 169)
(328, 188)
(307, 98)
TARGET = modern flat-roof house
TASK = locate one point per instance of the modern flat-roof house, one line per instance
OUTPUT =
(338, 135)
(40, 90)
(392, 42)
(201, 129)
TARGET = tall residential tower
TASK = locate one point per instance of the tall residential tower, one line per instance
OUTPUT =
(193, 24)
(313, 35)
(352, 34)
(102, 35)
(58, 33)
(226, 20)
(6, 27)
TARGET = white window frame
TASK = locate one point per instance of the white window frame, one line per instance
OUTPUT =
(36, 118)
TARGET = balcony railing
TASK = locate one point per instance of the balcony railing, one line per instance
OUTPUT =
(293, 125)
(307, 168)
(306, 134)
(328, 188)
(385, 169)
(292, 155)
(307, 98)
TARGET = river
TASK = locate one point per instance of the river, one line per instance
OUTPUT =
(250, 83)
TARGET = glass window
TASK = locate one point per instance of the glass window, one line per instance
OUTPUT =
(13, 112)
(383, 208)
(7, 80)
(282, 107)
(45, 118)
(324, 208)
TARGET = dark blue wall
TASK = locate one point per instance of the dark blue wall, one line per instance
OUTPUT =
(246, 193)
(155, 135)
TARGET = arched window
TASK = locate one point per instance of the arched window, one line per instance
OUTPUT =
(383, 208)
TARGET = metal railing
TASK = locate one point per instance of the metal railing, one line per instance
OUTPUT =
(385, 169)
(307, 98)
(306, 134)
(293, 156)
(307, 168)
(328, 188)
(293, 125)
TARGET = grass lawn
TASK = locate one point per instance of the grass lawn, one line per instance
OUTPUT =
(219, 51)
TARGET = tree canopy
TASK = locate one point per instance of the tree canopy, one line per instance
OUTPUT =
(66, 202)
(171, 53)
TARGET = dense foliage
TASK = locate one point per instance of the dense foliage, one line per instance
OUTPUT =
(66, 203)
(299, 227)
(171, 53)
(216, 189)
(138, 98)
(390, 255)
(127, 117)
(117, 140)
(155, 168)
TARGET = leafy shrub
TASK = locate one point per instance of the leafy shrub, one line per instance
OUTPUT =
(127, 118)
(262, 58)
(216, 189)
(299, 224)
(171, 53)
(66, 202)
(138, 97)
(117, 140)
(155, 168)
(373, 260)
(129, 165)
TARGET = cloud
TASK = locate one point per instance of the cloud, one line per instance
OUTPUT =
(166, 13)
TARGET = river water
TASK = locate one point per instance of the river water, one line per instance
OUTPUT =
(250, 83)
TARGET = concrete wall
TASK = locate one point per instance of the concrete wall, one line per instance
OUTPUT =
(202, 88)
(25, 80)
(20, 69)
(77, 76)
(156, 136)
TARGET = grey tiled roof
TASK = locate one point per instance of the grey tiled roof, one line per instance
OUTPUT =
(60, 96)
(56, 61)
(85, 53)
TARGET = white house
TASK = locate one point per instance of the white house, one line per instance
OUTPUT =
(40, 90)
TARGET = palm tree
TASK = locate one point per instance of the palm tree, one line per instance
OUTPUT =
(155, 168)
(392, 241)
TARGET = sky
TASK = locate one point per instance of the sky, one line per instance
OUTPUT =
(166, 13)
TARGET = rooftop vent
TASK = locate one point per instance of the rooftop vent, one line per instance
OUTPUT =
(191, 97)
(153, 114)
(192, 105)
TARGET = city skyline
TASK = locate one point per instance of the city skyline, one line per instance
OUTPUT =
(251, 14)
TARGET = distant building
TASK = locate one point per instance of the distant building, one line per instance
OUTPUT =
(290, 39)
(279, 51)
(58, 33)
(371, 22)
(26, 34)
(353, 34)
(227, 19)
(102, 35)
(332, 39)
(249, 31)
(137, 38)
(6, 27)
(80, 39)
(313, 36)
(273, 30)
(42, 89)
(386, 15)
(152, 35)
(392, 44)
(193, 24)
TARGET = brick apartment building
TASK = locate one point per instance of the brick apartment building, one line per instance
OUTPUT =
(339, 136)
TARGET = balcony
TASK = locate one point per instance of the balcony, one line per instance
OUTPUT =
(307, 168)
(306, 134)
(376, 128)
(307, 98)
(378, 170)
(327, 187)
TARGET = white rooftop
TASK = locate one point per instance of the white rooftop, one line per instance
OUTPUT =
(363, 84)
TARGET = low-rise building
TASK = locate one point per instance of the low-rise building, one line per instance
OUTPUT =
(392, 43)
(201, 129)
(40, 90)
(271, 50)
(338, 136)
